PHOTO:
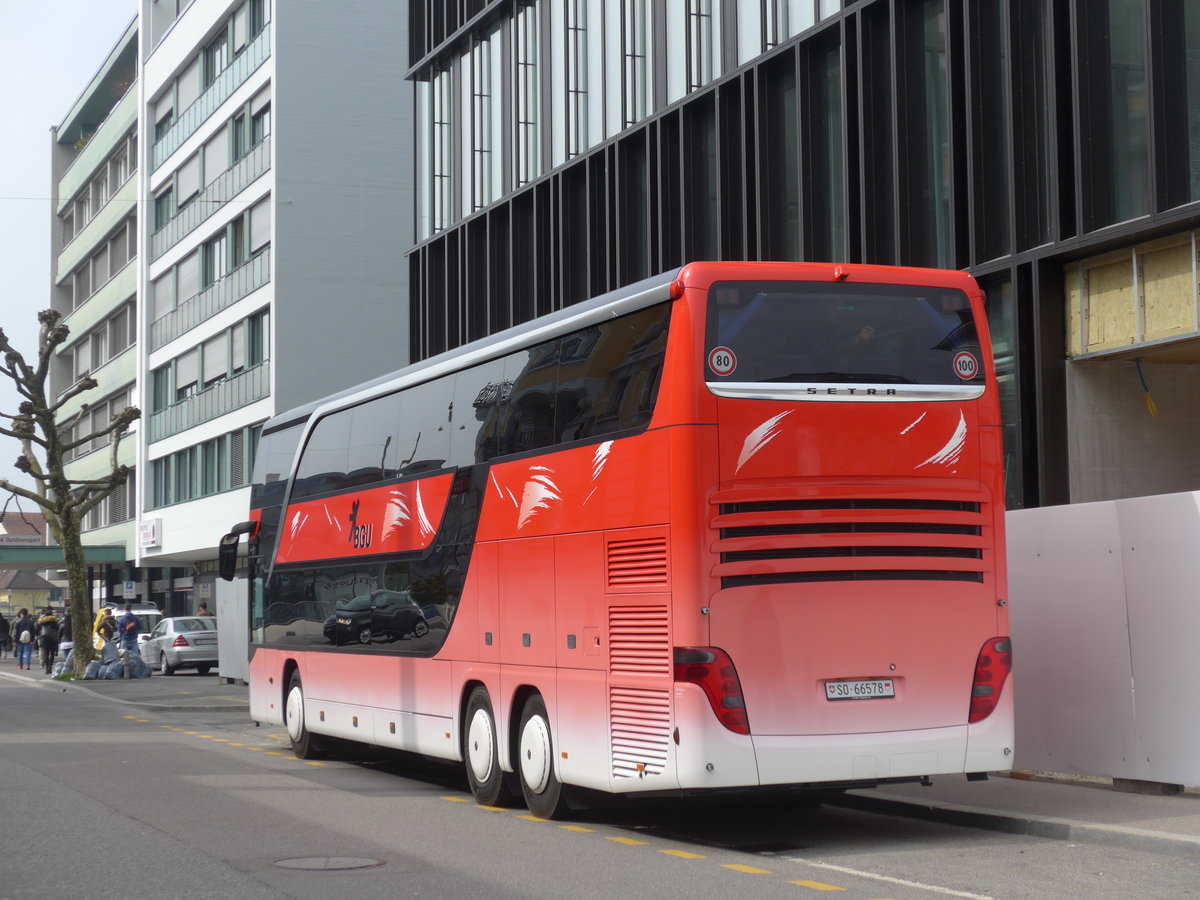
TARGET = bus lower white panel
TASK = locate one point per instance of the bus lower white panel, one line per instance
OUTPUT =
(709, 755)
(354, 723)
(266, 696)
(582, 745)
(805, 759)
(990, 742)
(428, 735)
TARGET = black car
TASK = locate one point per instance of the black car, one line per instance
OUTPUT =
(381, 616)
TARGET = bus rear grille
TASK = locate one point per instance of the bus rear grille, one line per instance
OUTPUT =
(641, 731)
(639, 641)
(784, 541)
(638, 563)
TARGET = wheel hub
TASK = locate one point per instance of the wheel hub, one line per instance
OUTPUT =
(535, 754)
(295, 713)
(479, 746)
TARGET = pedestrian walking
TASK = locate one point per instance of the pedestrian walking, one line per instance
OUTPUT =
(203, 609)
(5, 636)
(25, 630)
(48, 633)
(105, 628)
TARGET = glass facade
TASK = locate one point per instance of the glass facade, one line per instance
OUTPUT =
(1003, 137)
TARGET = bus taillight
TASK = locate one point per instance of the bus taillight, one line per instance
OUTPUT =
(991, 671)
(713, 670)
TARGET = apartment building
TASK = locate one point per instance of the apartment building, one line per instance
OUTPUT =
(95, 277)
(1049, 147)
(271, 145)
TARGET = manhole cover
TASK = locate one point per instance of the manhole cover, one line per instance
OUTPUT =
(328, 863)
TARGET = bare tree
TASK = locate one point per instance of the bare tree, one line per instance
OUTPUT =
(46, 445)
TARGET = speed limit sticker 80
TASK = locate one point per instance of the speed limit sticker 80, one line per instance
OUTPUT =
(722, 361)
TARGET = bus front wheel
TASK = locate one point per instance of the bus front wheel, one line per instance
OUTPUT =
(539, 784)
(304, 745)
(481, 751)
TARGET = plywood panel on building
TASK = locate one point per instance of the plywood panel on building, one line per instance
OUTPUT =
(1111, 312)
(1168, 291)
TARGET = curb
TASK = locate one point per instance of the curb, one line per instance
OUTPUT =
(1023, 823)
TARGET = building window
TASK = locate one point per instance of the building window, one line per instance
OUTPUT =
(441, 149)
(990, 135)
(164, 208)
(482, 139)
(636, 53)
(576, 63)
(215, 466)
(260, 126)
(1176, 28)
(1113, 107)
(216, 57)
(826, 163)
(214, 260)
(526, 96)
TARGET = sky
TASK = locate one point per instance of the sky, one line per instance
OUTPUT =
(49, 51)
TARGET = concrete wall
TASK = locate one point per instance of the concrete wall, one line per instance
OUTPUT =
(342, 125)
(1105, 624)
(1117, 449)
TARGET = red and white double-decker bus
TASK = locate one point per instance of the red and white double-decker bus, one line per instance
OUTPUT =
(738, 526)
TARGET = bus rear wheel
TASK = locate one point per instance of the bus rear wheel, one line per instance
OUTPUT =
(304, 745)
(481, 751)
(539, 784)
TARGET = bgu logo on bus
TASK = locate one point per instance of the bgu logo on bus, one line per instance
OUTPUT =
(965, 365)
(360, 535)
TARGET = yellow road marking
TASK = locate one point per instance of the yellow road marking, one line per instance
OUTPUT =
(310, 762)
(191, 732)
(234, 699)
(528, 818)
(220, 740)
(493, 808)
(278, 737)
(257, 749)
(129, 717)
(683, 854)
(456, 799)
(578, 828)
(206, 736)
(747, 870)
(235, 744)
(627, 841)
(277, 753)
(819, 886)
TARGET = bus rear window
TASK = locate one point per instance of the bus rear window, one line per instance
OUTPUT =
(818, 333)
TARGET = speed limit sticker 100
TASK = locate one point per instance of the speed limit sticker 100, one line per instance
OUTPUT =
(722, 361)
(966, 366)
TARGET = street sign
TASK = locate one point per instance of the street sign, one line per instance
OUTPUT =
(130, 591)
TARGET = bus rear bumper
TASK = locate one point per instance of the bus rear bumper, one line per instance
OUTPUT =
(858, 758)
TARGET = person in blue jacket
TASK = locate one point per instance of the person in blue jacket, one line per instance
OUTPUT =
(128, 627)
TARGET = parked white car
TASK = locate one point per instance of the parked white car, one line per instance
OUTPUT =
(182, 642)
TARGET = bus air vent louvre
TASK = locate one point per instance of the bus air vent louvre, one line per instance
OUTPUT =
(637, 564)
(639, 695)
(782, 541)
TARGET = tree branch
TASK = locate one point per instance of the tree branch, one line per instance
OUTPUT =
(83, 384)
(6, 485)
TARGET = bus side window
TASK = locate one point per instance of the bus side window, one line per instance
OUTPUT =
(479, 393)
(372, 451)
(323, 462)
(527, 421)
(425, 427)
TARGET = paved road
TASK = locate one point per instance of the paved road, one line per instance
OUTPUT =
(169, 802)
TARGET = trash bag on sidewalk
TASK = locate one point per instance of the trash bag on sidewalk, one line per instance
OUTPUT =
(111, 671)
(108, 653)
(60, 668)
(92, 672)
(137, 666)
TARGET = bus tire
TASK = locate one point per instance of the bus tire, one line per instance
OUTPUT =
(304, 745)
(481, 751)
(539, 784)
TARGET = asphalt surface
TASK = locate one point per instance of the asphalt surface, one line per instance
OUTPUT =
(1061, 807)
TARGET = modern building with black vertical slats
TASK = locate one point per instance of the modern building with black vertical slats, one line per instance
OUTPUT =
(1049, 147)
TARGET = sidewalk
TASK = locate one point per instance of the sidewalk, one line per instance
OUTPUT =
(158, 693)
(1059, 807)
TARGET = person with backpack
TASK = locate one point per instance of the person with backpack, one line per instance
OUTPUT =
(128, 627)
(48, 634)
(24, 629)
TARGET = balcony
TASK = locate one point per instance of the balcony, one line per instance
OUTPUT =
(229, 80)
(91, 236)
(220, 191)
(111, 131)
(239, 283)
(225, 396)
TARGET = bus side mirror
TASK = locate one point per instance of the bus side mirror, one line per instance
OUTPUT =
(228, 548)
